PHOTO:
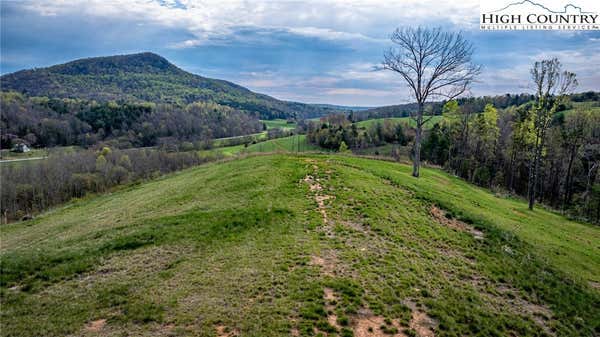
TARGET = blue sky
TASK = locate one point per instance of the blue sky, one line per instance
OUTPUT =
(307, 51)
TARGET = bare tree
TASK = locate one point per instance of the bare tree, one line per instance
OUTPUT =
(552, 86)
(435, 65)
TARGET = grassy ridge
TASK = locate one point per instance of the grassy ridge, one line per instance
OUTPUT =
(408, 120)
(234, 244)
(285, 144)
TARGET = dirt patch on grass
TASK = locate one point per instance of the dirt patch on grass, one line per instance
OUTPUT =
(96, 326)
(366, 324)
(224, 331)
(519, 213)
(370, 326)
(422, 324)
(327, 262)
(312, 183)
(505, 297)
(539, 313)
(442, 217)
(354, 226)
(316, 187)
(330, 301)
(322, 208)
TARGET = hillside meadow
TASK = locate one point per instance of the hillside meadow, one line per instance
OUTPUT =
(300, 245)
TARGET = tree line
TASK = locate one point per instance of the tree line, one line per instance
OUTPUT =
(336, 132)
(36, 186)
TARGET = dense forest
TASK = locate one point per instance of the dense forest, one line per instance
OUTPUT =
(147, 77)
(47, 122)
(491, 146)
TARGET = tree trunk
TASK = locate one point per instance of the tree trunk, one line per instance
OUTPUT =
(530, 188)
(417, 146)
(567, 196)
(511, 186)
(588, 190)
(533, 172)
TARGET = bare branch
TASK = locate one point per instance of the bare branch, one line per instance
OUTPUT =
(433, 63)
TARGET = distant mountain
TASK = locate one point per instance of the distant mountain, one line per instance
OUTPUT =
(147, 77)
(343, 107)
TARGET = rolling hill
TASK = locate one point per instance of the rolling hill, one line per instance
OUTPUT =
(304, 245)
(147, 77)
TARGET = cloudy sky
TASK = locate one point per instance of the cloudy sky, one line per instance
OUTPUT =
(309, 51)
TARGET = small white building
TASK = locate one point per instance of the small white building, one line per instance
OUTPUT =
(21, 148)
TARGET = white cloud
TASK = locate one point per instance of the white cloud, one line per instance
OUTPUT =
(516, 78)
(329, 34)
(186, 44)
(336, 20)
(346, 22)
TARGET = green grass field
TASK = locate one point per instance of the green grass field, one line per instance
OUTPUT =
(8, 155)
(411, 122)
(279, 123)
(308, 245)
(285, 144)
(589, 106)
(257, 137)
(223, 142)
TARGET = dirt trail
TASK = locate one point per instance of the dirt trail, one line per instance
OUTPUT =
(327, 262)
(330, 300)
(315, 187)
(314, 183)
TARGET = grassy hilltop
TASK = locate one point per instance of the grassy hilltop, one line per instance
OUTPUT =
(276, 245)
